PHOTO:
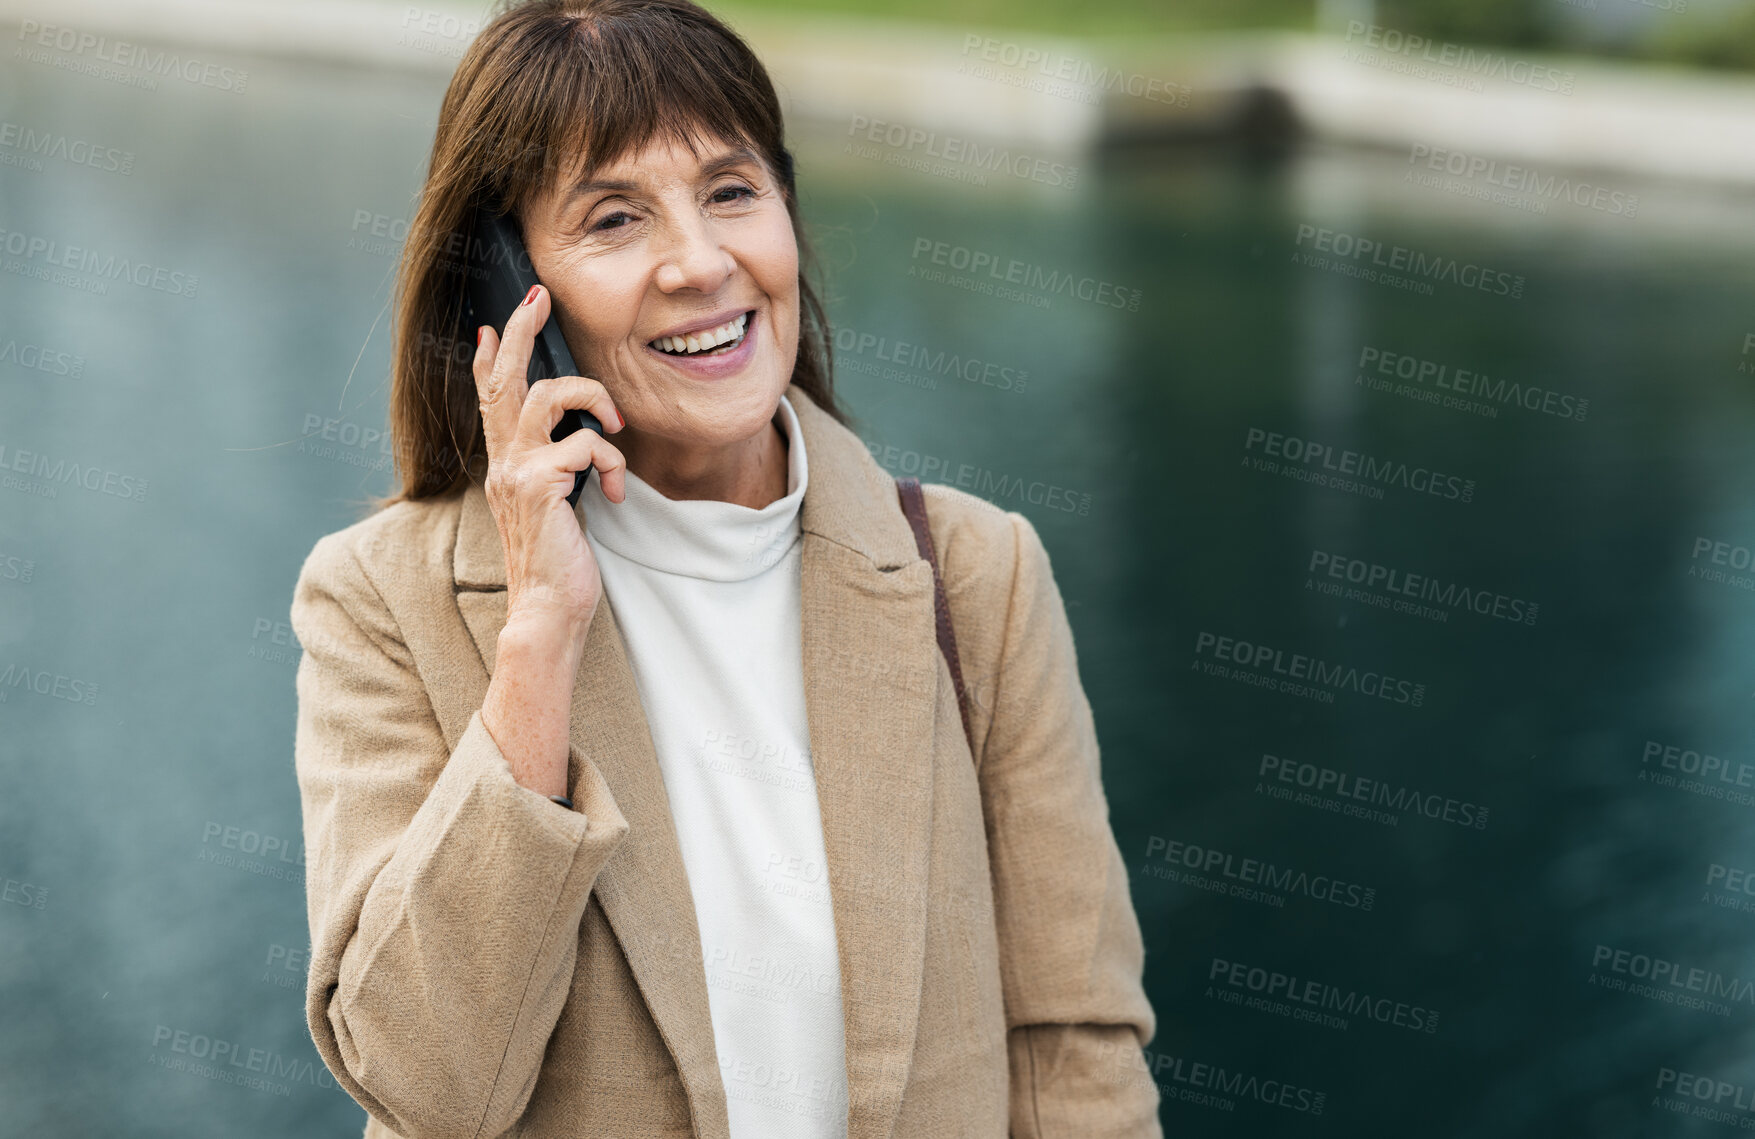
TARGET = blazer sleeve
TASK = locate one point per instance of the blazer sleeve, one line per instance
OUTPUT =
(1071, 953)
(444, 897)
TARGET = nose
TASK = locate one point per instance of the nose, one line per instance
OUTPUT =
(694, 258)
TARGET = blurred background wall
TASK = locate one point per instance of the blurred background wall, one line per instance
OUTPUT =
(1412, 338)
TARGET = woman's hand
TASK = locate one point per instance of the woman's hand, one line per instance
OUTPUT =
(552, 581)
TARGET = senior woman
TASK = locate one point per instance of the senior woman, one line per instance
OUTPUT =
(716, 858)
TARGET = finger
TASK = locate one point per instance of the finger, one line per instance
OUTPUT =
(584, 449)
(500, 403)
(519, 338)
(549, 400)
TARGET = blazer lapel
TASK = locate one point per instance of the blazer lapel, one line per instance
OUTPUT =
(871, 672)
(871, 669)
(868, 645)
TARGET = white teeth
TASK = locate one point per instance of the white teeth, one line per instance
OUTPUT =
(703, 341)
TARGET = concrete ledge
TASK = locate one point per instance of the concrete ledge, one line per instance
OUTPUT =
(1647, 120)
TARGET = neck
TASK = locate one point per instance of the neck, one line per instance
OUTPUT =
(751, 472)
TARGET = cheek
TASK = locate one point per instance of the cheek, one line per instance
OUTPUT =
(773, 259)
(603, 307)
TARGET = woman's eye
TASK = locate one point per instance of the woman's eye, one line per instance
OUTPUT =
(725, 195)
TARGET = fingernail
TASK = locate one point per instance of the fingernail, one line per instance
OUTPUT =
(531, 295)
(619, 421)
(479, 333)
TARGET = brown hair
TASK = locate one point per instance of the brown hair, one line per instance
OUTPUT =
(545, 84)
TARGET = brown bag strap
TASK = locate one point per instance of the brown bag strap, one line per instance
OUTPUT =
(914, 506)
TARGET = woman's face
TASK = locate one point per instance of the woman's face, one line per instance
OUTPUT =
(662, 243)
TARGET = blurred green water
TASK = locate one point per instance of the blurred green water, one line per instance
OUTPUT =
(1141, 422)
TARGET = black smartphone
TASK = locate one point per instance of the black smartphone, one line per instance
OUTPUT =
(499, 275)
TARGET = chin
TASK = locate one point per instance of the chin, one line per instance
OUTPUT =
(729, 412)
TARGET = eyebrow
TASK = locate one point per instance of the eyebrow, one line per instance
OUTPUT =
(711, 168)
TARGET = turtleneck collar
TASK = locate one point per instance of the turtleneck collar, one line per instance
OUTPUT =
(701, 538)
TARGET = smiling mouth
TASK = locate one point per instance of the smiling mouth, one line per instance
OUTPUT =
(712, 342)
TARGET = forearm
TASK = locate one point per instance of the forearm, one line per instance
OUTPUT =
(528, 707)
(456, 959)
(1077, 1057)
(1084, 1080)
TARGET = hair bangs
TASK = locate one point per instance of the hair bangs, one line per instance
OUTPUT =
(603, 88)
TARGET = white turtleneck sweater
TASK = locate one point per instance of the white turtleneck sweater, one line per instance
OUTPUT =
(707, 595)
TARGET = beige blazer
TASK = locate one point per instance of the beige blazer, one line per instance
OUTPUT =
(485, 962)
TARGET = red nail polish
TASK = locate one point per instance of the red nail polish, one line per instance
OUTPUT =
(619, 421)
(479, 333)
(531, 295)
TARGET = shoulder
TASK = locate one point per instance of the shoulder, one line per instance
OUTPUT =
(379, 554)
(1005, 605)
(984, 551)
